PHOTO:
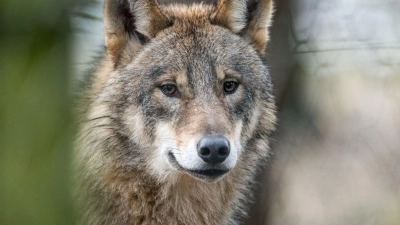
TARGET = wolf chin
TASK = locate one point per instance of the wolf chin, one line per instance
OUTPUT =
(177, 116)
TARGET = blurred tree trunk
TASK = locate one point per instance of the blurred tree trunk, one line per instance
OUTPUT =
(279, 58)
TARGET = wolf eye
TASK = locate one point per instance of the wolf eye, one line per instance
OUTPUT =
(170, 90)
(230, 87)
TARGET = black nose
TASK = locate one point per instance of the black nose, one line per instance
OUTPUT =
(213, 149)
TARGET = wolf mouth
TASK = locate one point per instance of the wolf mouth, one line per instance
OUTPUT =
(204, 174)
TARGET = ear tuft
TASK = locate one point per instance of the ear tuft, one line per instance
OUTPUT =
(231, 14)
(149, 18)
(248, 18)
(136, 21)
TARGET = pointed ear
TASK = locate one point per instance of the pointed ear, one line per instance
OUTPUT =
(133, 21)
(249, 18)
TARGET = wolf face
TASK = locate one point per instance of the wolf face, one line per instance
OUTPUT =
(196, 94)
(180, 108)
(191, 94)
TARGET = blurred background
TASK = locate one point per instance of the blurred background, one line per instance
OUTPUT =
(35, 104)
(336, 70)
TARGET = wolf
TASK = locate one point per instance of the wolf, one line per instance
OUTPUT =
(176, 119)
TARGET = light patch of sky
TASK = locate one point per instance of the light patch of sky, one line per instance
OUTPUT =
(346, 36)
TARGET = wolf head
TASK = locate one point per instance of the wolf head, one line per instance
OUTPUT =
(188, 93)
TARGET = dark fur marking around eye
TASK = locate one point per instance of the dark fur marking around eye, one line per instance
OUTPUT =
(241, 108)
(155, 72)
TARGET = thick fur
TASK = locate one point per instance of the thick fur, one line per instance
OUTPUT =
(129, 128)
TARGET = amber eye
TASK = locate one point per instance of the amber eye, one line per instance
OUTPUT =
(170, 90)
(230, 87)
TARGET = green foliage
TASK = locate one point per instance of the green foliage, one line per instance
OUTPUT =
(35, 120)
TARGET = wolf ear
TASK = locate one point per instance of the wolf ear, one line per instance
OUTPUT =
(136, 21)
(248, 18)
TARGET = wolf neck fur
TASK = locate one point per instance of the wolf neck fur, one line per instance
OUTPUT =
(145, 201)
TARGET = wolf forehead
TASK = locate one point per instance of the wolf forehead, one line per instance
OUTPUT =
(188, 41)
(196, 55)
